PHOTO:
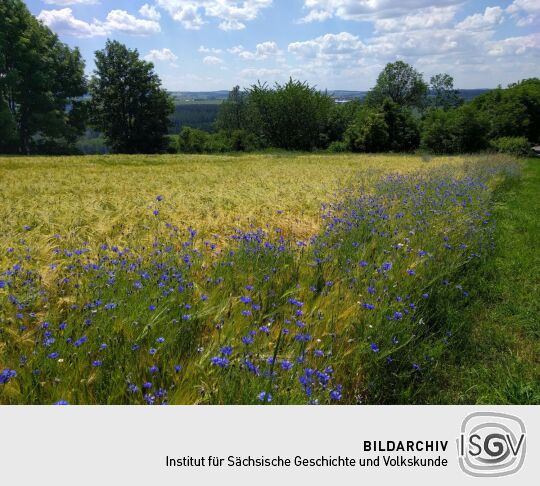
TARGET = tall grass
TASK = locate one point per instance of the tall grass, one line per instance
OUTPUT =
(352, 312)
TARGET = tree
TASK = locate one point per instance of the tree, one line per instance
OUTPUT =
(128, 104)
(340, 117)
(443, 94)
(290, 116)
(369, 133)
(401, 83)
(41, 84)
(403, 130)
(192, 141)
(455, 131)
(233, 112)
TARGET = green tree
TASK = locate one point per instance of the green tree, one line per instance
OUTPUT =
(369, 133)
(290, 116)
(128, 103)
(455, 131)
(233, 112)
(400, 82)
(403, 129)
(340, 117)
(41, 83)
(443, 94)
(192, 141)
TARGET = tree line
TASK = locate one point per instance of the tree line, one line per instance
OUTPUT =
(47, 103)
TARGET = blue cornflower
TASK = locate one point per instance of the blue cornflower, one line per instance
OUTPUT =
(152, 351)
(54, 355)
(374, 348)
(155, 212)
(97, 363)
(186, 317)
(160, 340)
(247, 340)
(246, 313)
(80, 341)
(61, 402)
(398, 316)
(138, 285)
(219, 361)
(368, 306)
(318, 353)
(425, 296)
(6, 375)
(102, 347)
(226, 350)
(147, 385)
(204, 298)
(264, 397)
(152, 307)
(249, 288)
(246, 299)
(335, 394)
(371, 290)
(286, 364)
(177, 368)
(386, 266)
(416, 367)
(132, 388)
(159, 198)
(153, 369)
(395, 340)
(411, 272)
(110, 306)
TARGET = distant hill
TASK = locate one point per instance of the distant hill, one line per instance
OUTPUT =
(216, 97)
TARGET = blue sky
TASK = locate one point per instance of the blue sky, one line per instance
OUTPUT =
(199, 45)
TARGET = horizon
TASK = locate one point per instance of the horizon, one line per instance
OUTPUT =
(338, 45)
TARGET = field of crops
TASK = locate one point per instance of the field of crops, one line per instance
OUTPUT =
(275, 279)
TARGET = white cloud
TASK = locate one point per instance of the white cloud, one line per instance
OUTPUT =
(368, 10)
(525, 12)
(232, 13)
(262, 51)
(423, 19)
(515, 46)
(65, 3)
(149, 12)
(254, 74)
(210, 50)
(121, 21)
(161, 55)
(491, 17)
(64, 22)
(236, 49)
(316, 16)
(328, 45)
(212, 60)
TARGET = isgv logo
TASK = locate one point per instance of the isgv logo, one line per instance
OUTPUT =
(491, 444)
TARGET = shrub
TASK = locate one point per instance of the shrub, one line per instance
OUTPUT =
(369, 133)
(512, 145)
(192, 141)
(453, 132)
(338, 147)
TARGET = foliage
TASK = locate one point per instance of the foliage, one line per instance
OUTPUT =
(512, 112)
(369, 133)
(340, 117)
(402, 126)
(338, 147)
(192, 141)
(519, 146)
(443, 94)
(233, 112)
(400, 82)
(201, 115)
(128, 104)
(41, 82)
(456, 131)
(290, 116)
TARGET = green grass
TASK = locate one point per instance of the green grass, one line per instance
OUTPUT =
(499, 361)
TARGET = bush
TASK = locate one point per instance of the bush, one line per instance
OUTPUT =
(453, 132)
(192, 141)
(369, 133)
(338, 147)
(512, 145)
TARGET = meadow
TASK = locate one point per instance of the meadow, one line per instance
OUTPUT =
(270, 279)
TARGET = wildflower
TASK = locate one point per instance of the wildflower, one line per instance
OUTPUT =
(264, 397)
(368, 306)
(318, 353)
(226, 350)
(411, 272)
(102, 347)
(249, 288)
(61, 402)
(152, 307)
(54, 355)
(159, 198)
(80, 341)
(177, 368)
(132, 388)
(147, 385)
(219, 361)
(97, 363)
(110, 306)
(153, 369)
(152, 351)
(160, 340)
(395, 340)
(246, 299)
(204, 298)
(186, 317)
(335, 394)
(386, 266)
(398, 316)
(425, 296)
(7, 375)
(247, 340)
(286, 364)
(155, 212)
(416, 367)
(374, 348)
